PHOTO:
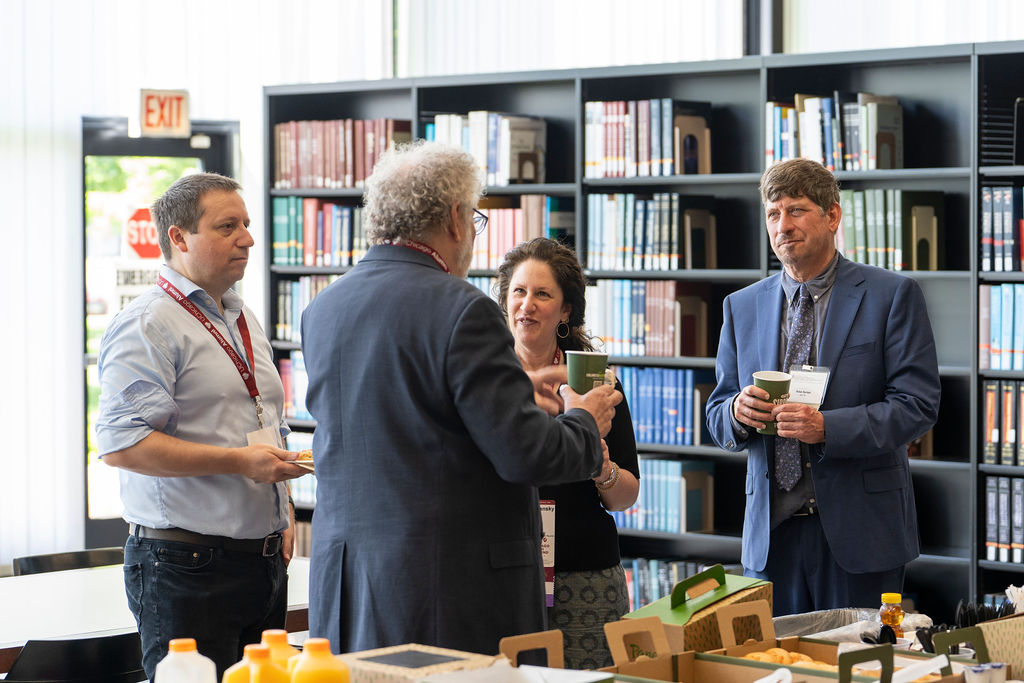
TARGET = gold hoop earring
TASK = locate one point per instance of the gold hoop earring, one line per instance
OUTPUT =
(558, 330)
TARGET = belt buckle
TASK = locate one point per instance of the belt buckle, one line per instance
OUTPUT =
(272, 545)
(806, 511)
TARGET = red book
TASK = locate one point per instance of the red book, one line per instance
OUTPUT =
(349, 155)
(310, 206)
(359, 150)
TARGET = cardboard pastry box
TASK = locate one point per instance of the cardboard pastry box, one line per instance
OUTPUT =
(689, 612)
(409, 663)
(645, 638)
(820, 651)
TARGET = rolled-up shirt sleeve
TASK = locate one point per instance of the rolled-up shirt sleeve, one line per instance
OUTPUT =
(136, 380)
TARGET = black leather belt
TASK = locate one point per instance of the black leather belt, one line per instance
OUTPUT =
(267, 546)
(806, 511)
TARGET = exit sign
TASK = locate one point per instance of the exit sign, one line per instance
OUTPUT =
(164, 114)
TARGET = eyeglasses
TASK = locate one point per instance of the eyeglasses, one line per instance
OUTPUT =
(479, 220)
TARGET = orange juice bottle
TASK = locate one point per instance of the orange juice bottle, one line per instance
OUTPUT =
(280, 651)
(256, 667)
(316, 664)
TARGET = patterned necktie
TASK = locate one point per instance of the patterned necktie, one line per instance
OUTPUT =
(798, 349)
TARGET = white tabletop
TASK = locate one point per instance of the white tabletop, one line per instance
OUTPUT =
(81, 602)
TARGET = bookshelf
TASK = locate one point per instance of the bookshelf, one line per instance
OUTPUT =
(941, 90)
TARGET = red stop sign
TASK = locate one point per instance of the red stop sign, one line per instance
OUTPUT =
(141, 233)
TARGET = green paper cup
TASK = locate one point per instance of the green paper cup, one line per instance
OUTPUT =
(586, 369)
(777, 385)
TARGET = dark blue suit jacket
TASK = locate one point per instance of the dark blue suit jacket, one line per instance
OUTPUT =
(428, 448)
(883, 392)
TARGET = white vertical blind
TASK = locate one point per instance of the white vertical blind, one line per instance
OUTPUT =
(831, 25)
(64, 59)
(484, 36)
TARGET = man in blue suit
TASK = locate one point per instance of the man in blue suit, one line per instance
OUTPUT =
(830, 516)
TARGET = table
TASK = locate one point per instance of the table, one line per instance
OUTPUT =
(92, 602)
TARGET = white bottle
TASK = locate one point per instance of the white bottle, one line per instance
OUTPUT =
(184, 664)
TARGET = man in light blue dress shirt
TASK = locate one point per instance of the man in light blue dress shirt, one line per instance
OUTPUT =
(191, 413)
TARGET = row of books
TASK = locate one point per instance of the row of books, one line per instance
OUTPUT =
(1003, 422)
(675, 497)
(893, 228)
(303, 536)
(656, 137)
(332, 154)
(1004, 519)
(1001, 327)
(650, 317)
(842, 132)
(667, 404)
(295, 380)
(1002, 229)
(650, 579)
(292, 298)
(512, 220)
(660, 231)
(508, 148)
(303, 489)
(314, 232)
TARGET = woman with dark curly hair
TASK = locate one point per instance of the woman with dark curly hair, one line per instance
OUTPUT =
(541, 290)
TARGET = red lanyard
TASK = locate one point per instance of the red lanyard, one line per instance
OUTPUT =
(420, 247)
(243, 328)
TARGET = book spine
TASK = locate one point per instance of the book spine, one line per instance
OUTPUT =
(986, 229)
(1004, 519)
(991, 415)
(992, 518)
(1017, 520)
(1008, 415)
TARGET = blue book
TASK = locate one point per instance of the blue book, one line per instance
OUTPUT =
(829, 142)
(669, 407)
(646, 388)
(628, 214)
(593, 209)
(428, 131)
(280, 233)
(688, 407)
(676, 490)
(636, 317)
(657, 157)
(995, 327)
(294, 232)
(1006, 331)
(622, 317)
(654, 406)
(639, 236)
(1018, 327)
(493, 128)
(667, 138)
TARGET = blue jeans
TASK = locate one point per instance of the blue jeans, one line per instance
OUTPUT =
(224, 599)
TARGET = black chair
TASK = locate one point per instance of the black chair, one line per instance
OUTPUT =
(78, 559)
(101, 659)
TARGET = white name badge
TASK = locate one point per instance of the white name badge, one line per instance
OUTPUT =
(268, 435)
(808, 384)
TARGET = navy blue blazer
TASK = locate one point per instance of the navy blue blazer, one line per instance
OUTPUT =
(883, 392)
(428, 449)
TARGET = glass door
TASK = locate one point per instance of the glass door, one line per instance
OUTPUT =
(122, 176)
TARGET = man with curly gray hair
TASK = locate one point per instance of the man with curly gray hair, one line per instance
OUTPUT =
(430, 442)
